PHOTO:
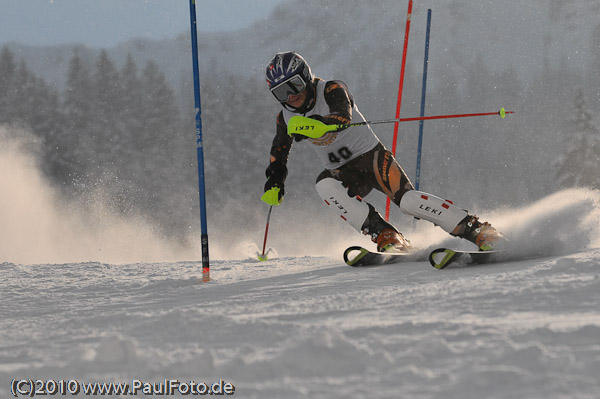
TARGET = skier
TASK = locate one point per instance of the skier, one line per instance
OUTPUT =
(355, 162)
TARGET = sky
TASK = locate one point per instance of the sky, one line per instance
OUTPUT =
(105, 23)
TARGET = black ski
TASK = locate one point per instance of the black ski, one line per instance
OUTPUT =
(364, 257)
(442, 257)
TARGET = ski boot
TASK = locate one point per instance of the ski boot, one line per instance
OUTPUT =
(387, 238)
(486, 237)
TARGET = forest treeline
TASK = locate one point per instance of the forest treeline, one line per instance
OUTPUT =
(122, 133)
(112, 130)
(121, 130)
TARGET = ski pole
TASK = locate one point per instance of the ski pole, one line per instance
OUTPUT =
(262, 257)
(314, 129)
(502, 114)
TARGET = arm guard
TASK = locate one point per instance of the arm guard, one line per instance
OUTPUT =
(282, 143)
(340, 103)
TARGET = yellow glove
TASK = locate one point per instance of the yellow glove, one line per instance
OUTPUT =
(272, 196)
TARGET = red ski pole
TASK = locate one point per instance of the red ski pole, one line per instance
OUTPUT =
(262, 257)
(314, 129)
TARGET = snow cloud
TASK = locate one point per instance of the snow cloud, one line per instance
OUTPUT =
(39, 225)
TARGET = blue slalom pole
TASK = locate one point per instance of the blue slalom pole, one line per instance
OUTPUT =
(199, 146)
(421, 122)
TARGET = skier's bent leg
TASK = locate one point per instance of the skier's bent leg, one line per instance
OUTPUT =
(361, 215)
(433, 209)
(389, 175)
(451, 218)
(351, 209)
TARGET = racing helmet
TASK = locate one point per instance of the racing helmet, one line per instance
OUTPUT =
(288, 74)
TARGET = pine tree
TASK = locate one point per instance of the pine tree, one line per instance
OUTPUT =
(26, 100)
(152, 170)
(48, 121)
(76, 104)
(580, 164)
(130, 107)
(8, 72)
(77, 110)
(107, 128)
(159, 113)
(37, 107)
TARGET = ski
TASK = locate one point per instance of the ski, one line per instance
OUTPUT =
(442, 257)
(366, 258)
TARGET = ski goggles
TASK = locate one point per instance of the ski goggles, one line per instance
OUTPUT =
(284, 90)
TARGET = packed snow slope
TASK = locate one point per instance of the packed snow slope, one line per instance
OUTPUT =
(312, 327)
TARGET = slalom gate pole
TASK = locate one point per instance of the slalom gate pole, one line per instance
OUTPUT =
(263, 256)
(199, 146)
(422, 113)
(400, 86)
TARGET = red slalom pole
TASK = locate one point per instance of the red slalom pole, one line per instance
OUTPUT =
(400, 87)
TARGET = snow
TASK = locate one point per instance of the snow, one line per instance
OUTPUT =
(312, 327)
(90, 295)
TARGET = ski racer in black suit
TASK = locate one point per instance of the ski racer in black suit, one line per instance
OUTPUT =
(355, 162)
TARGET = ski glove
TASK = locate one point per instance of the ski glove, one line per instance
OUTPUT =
(299, 137)
(274, 187)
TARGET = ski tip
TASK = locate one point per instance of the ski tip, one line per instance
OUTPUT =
(440, 257)
(361, 253)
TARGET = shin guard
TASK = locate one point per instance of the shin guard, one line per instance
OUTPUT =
(351, 209)
(433, 209)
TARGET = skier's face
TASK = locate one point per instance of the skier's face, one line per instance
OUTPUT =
(296, 100)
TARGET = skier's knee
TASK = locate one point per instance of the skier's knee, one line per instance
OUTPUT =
(351, 209)
(433, 209)
(327, 173)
